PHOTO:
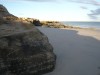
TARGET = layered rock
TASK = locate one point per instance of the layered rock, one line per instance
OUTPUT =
(24, 50)
(54, 24)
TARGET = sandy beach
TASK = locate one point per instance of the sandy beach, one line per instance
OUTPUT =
(77, 50)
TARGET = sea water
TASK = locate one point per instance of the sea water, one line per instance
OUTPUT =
(95, 25)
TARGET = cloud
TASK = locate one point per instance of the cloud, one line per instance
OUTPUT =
(94, 14)
(83, 7)
(93, 2)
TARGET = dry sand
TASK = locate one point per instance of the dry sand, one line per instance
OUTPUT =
(77, 50)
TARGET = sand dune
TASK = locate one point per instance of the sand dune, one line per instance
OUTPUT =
(77, 50)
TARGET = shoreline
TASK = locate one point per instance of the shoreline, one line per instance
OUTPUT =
(72, 27)
(54, 24)
(86, 32)
(92, 32)
(79, 27)
(82, 24)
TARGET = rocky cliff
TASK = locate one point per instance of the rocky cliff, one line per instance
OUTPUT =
(24, 50)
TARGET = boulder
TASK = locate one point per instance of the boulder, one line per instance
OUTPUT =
(24, 50)
(36, 23)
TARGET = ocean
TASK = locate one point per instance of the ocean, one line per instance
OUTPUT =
(95, 25)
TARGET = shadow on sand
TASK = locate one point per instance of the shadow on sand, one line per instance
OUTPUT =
(76, 54)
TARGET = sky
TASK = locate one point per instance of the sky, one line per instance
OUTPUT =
(55, 10)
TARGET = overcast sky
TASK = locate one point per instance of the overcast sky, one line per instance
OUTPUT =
(59, 10)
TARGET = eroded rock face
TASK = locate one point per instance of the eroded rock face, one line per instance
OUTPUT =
(24, 50)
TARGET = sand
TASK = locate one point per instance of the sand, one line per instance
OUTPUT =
(77, 50)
